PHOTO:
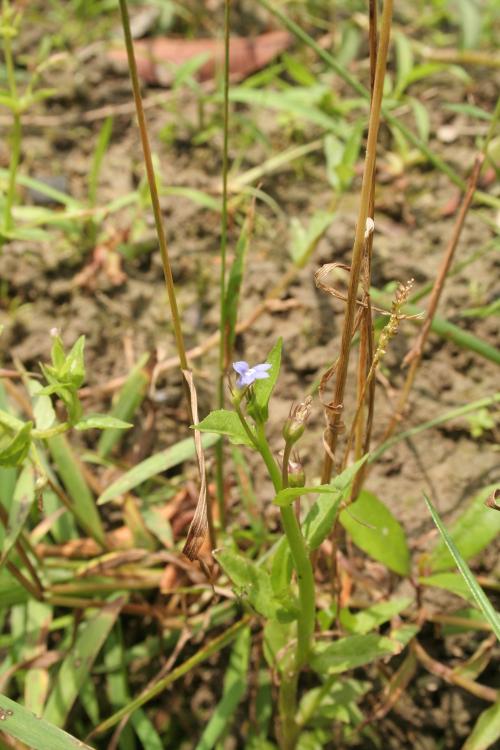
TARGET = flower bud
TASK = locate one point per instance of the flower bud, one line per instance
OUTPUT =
(294, 427)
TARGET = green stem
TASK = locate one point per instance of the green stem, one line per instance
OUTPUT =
(15, 154)
(307, 599)
(219, 450)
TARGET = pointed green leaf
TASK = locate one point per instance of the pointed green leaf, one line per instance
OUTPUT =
(486, 730)
(374, 529)
(235, 687)
(252, 581)
(473, 586)
(477, 527)
(372, 617)
(262, 389)
(225, 422)
(36, 733)
(352, 651)
(150, 467)
(75, 669)
(101, 422)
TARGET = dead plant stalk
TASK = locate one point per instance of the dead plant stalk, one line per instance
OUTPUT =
(334, 413)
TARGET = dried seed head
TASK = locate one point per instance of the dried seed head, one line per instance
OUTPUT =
(294, 426)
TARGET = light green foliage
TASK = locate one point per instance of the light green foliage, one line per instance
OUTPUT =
(24, 495)
(486, 730)
(37, 733)
(258, 406)
(352, 651)
(374, 529)
(225, 422)
(472, 532)
(475, 589)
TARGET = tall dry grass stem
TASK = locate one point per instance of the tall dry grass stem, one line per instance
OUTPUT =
(335, 410)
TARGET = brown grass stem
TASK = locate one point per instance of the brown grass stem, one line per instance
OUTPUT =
(223, 353)
(359, 242)
(148, 162)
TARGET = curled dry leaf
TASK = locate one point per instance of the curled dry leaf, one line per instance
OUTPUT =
(155, 57)
(493, 500)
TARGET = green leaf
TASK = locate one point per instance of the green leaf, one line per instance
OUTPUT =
(75, 669)
(477, 527)
(470, 22)
(252, 581)
(304, 239)
(235, 686)
(177, 454)
(38, 734)
(450, 582)
(43, 411)
(225, 422)
(14, 448)
(374, 529)
(475, 589)
(404, 60)
(262, 389)
(486, 730)
(101, 422)
(372, 617)
(422, 118)
(350, 652)
(24, 495)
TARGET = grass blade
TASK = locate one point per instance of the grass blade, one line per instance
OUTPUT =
(76, 667)
(475, 589)
(177, 454)
(235, 686)
(24, 494)
(37, 733)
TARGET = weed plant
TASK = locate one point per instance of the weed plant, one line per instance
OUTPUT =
(82, 561)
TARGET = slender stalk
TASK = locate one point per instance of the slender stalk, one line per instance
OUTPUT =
(162, 240)
(148, 162)
(305, 581)
(211, 648)
(223, 353)
(16, 134)
(357, 252)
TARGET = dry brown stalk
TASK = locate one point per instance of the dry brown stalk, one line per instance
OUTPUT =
(414, 356)
(448, 675)
(334, 413)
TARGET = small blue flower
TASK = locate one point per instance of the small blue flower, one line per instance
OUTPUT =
(248, 375)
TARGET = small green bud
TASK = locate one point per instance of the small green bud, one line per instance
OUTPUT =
(294, 427)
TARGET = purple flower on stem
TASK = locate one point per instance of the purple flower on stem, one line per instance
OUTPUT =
(248, 375)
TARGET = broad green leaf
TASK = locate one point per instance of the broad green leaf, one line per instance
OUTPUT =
(350, 652)
(145, 730)
(372, 617)
(225, 422)
(177, 454)
(101, 422)
(477, 592)
(252, 581)
(262, 389)
(477, 527)
(24, 495)
(235, 687)
(75, 669)
(277, 636)
(486, 730)
(319, 520)
(335, 700)
(11, 592)
(43, 411)
(450, 582)
(36, 733)
(14, 447)
(374, 529)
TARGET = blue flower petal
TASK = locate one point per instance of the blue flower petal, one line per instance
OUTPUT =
(241, 367)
